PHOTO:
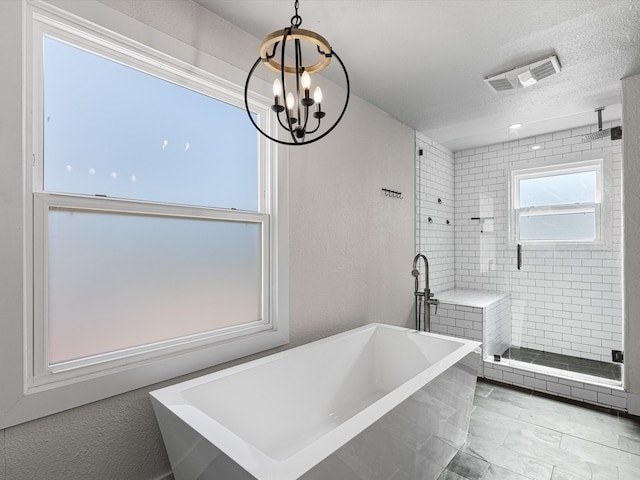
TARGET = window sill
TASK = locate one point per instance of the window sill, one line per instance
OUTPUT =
(569, 246)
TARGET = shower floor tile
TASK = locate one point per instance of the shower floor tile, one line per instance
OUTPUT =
(519, 434)
(611, 371)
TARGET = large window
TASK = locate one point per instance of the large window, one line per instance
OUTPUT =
(559, 203)
(156, 218)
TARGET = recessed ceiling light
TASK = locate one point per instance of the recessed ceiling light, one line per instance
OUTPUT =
(536, 147)
(515, 126)
(527, 79)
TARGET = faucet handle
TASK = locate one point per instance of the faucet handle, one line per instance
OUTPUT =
(433, 301)
(431, 294)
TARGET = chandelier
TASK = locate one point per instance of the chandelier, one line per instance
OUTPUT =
(299, 113)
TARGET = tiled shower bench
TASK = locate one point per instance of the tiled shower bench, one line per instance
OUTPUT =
(480, 315)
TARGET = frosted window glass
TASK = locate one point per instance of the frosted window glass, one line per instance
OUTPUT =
(565, 189)
(565, 226)
(121, 280)
(112, 130)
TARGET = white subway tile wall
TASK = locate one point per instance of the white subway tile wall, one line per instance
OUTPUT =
(563, 301)
(458, 321)
(435, 239)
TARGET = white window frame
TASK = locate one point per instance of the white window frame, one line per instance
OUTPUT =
(559, 167)
(45, 389)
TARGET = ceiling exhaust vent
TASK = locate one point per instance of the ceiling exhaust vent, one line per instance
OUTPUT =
(524, 76)
(500, 83)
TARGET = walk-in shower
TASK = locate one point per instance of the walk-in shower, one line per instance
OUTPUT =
(556, 323)
(540, 218)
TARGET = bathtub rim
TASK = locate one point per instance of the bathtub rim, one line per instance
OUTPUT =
(258, 463)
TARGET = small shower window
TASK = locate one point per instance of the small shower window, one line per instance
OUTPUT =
(559, 203)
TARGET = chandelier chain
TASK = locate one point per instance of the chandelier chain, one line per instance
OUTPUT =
(296, 20)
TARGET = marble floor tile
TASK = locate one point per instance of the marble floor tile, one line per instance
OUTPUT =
(529, 466)
(628, 464)
(505, 408)
(585, 430)
(449, 475)
(562, 474)
(483, 390)
(492, 425)
(517, 435)
(468, 466)
(629, 427)
(495, 472)
(569, 461)
(630, 445)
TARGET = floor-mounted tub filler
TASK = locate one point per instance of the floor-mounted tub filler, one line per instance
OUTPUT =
(376, 402)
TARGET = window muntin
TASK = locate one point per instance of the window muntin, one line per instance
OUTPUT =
(116, 131)
(558, 203)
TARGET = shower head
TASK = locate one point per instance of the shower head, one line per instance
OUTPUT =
(614, 133)
(590, 137)
(415, 272)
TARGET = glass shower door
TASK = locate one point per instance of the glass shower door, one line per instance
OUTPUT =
(564, 254)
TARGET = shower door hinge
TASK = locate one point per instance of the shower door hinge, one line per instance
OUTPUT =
(617, 356)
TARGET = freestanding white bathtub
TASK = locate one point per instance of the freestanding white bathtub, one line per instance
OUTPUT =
(376, 402)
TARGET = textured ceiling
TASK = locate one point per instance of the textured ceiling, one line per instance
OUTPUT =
(424, 62)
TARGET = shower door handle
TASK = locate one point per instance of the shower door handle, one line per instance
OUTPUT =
(519, 256)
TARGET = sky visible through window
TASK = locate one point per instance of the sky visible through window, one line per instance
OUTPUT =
(115, 131)
(566, 189)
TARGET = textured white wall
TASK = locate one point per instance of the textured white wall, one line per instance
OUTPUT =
(10, 196)
(350, 255)
(631, 175)
(351, 246)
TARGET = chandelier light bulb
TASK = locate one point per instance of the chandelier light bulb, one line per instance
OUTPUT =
(306, 84)
(317, 95)
(290, 101)
(306, 80)
(277, 88)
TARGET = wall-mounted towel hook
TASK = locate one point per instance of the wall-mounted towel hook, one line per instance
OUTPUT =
(439, 200)
(392, 193)
(448, 222)
(430, 220)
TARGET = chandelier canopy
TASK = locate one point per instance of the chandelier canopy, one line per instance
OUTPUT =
(299, 114)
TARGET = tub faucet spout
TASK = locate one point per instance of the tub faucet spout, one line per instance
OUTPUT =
(423, 299)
